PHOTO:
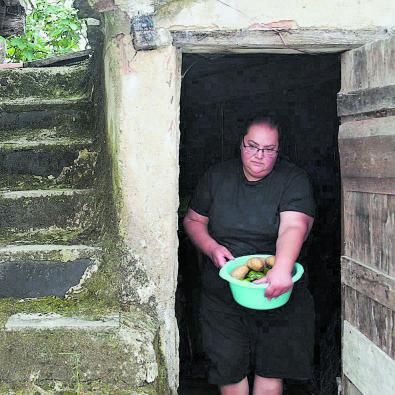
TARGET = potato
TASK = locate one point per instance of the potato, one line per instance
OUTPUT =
(256, 264)
(270, 260)
(240, 272)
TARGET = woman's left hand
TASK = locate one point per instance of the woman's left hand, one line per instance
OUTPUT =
(279, 282)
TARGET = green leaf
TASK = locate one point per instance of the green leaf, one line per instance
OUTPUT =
(51, 28)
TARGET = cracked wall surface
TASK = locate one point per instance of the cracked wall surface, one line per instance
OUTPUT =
(252, 14)
(142, 122)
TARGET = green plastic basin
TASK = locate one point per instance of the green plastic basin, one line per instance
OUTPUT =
(253, 295)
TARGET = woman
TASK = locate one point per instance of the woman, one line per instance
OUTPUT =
(261, 204)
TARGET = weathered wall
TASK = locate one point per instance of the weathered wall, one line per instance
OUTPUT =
(142, 118)
(142, 90)
(233, 14)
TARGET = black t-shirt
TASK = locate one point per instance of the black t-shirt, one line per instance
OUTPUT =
(244, 216)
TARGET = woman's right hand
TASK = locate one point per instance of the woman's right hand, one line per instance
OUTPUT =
(220, 255)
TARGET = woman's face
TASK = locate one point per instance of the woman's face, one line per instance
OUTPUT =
(260, 164)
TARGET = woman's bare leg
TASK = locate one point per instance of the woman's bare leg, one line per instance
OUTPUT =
(267, 386)
(240, 388)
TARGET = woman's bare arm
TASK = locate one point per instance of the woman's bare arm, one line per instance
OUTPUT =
(293, 231)
(196, 226)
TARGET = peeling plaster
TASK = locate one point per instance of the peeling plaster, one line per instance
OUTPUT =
(233, 14)
(147, 163)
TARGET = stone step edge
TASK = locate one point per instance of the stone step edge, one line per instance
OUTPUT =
(55, 252)
(58, 142)
(44, 235)
(54, 321)
(31, 102)
(46, 66)
(37, 193)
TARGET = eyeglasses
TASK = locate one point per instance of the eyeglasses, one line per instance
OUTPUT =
(252, 150)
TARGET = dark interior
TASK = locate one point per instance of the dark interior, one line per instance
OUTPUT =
(220, 94)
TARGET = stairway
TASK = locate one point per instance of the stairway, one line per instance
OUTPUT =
(57, 331)
(47, 197)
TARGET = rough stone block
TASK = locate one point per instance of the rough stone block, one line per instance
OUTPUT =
(146, 36)
(113, 354)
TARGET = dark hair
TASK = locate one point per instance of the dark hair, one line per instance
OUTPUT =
(268, 120)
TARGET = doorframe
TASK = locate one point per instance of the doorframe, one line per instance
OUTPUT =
(274, 41)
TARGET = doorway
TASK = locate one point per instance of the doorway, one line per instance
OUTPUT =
(219, 95)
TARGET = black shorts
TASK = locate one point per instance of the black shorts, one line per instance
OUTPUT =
(276, 343)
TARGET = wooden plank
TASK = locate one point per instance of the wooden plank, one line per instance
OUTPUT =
(369, 228)
(348, 388)
(372, 319)
(384, 186)
(349, 296)
(369, 66)
(366, 100)
(368, 156)
(367, 148)
(392, 336)
(371, 369)
(59, 60)
(368, 281)
(309, 40)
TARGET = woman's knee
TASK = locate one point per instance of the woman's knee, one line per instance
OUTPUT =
(267, 386)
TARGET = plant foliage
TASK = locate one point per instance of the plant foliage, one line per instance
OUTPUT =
(52, 28)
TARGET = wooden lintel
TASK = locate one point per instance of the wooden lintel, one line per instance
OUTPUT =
(293, 40)
(370, 282)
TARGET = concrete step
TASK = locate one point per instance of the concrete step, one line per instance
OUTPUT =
(80, 174)
(45, 152)
(38, 162)
(21, 182)
(46, 118)
(58, 167)
(38, 209)
(31, 271)
(112, 354)
(45, 82)
(49, 235)
(34, 103)
(44, 138)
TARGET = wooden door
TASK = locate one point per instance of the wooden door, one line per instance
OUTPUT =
(366, 105)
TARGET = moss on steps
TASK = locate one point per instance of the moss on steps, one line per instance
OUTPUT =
(44, 208)
(32, 103)
(45, 82)
(49, 235)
